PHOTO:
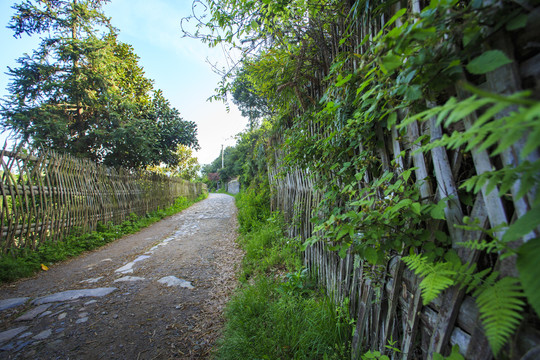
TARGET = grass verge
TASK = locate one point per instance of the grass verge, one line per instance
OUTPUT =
(25, 262)
(278, 312)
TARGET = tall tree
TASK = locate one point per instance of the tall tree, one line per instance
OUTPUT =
(83, 92)
(186, 168)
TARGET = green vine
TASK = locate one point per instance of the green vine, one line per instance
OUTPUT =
(372, 205)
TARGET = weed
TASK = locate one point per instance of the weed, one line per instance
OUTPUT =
(273, 315)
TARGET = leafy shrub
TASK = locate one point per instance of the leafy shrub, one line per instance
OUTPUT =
(277, 316)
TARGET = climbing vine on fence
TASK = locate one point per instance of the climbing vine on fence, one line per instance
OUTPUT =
(341, 82)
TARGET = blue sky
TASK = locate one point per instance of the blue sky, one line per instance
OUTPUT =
(177, 65)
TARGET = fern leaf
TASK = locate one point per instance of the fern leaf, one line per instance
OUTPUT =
(500, 308)
(436, 282)
(529, 272)
(437, 276)
(415, 262)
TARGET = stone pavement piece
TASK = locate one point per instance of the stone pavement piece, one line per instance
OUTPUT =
(174, 281)
(128, 268)
(73, 294)
(30, 315)
(9, 303)
(129, 279)
(43, 335)
(11, 333)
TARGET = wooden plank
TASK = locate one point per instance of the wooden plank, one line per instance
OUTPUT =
(411, 324)
(446, 185)
(451, 298)
(364, 306)
(393, 300)
(421, 173)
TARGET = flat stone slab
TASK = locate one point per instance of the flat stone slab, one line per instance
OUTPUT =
(43, 335)
(128, 268)
(11, 333)
(129, 279)
(32, 314)
(91, 281)
(73, 295)
(10, 303)
(174, 281)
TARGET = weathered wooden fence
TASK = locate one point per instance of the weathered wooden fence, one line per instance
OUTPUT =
(386, 300)
(44, 196)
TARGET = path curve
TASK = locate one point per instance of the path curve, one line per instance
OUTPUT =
(157, 294)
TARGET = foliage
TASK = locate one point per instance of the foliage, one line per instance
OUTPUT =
(24, 263)
(288, 319)
(336, 101)
(499, 301)
(251, 105)
(83, 92)
(454, 355)
(284, 326)
(246, 160)
(529, 272)
(187, 166)
(254, 207)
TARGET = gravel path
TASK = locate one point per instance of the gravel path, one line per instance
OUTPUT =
(157, 294)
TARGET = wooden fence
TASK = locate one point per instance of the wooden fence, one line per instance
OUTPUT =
(385, 300)
(44, 196)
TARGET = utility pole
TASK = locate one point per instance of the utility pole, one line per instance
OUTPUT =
(222, 156)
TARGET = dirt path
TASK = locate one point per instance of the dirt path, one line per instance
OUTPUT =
(157, 294)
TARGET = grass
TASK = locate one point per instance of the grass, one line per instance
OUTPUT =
(25, 262)
(278, 311)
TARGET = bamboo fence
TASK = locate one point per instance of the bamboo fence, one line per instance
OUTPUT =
(385, 300)
(46, 195)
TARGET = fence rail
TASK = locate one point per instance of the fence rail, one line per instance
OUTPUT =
(45, 195)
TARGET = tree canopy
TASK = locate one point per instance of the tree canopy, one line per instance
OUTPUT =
(82, 91)
(187, 166)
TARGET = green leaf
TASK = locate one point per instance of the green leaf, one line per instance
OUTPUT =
(415, 207)
(437, 212)
(516, 23)
(509, 138)
(500, 308)
(413, 92)
(371, 255)
(344, 80)
(439, 279)
(533, 139)
(455, 355)
(392, 119)
(529, 272)
(487, 62)
(523, 225)
(395, 17)
(342, 232)
(391, 62)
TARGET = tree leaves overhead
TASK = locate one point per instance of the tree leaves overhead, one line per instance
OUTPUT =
(83, 92)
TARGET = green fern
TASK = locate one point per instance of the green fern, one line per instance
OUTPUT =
(529, 272)
(500, 302)
(500, 306)
(437, 276)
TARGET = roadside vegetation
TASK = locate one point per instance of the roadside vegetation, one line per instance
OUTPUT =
(22, 263)
(278, 311)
